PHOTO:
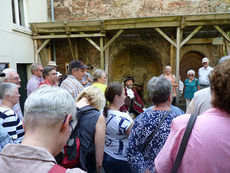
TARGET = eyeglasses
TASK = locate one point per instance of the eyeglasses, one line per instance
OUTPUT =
(54, 74)
(40, 70)
(190, 75)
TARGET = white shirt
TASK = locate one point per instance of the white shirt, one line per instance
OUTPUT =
(116, 140)
(181, 86)
(203, 75)
(130, 93)
(200, 102)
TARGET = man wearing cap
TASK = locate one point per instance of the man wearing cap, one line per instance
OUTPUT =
(203, 73)
(133, 102)
(36, 78)
(75, 74)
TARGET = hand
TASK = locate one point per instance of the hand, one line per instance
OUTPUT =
(147, 170)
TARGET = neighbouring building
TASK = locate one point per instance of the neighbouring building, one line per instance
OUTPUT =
(16, 44)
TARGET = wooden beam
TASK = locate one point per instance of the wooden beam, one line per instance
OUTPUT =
(223, 33)
(68, 36)
(200, 41)
(35, 50)
(172, 55)
(102, 54)
(226, 47)
(165, 36)
(112, 39)
(76, 50)
(107, 55)
(178, 41)
(40, 48)
(190, 35)
(92, 42)
(71, 48)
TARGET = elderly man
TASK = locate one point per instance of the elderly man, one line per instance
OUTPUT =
(47, 130)
(50, 76)
(202, 98)
(203, 73)
(73, 82)
(133, 103)
(171, 77)
(36, 79)
(13, 77)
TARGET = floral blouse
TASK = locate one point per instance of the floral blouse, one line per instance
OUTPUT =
(143, 126)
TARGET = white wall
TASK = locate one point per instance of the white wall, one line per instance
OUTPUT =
(16, 44)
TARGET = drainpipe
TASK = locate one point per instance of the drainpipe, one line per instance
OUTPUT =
(52, 20)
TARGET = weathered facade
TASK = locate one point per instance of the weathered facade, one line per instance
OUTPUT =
(139, 49)
(66, 10)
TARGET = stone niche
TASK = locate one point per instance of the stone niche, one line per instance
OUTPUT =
(140, 56)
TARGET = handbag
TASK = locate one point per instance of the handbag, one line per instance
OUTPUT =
(184, 143)
(150, 137)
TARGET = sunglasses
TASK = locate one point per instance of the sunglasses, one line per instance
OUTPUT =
(190, 75)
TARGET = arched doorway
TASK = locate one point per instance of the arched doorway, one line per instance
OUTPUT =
(138, 61)
(191, 60)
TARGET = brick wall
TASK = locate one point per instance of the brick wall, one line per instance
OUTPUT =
(108, 9)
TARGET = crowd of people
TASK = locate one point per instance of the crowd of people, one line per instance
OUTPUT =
(81, 124)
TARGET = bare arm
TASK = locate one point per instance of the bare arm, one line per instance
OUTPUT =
(127, 132)
(99, 142)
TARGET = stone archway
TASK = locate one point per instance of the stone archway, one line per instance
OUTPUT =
(190, 60)
(138, 61)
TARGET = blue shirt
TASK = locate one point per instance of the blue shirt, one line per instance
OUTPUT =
(4, 138)
(190, 88)
(143, 126)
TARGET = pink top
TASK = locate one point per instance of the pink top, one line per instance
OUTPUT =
(208, 149)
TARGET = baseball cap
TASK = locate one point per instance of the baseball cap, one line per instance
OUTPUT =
(205, 59)
(2, 74)
(77, 64)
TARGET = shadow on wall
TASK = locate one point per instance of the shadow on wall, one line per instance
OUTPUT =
(191, 60)
(138, 61)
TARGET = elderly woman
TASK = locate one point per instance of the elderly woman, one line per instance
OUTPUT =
(9, 120)
(91, 128)
(172, 78)
(142, 150)
(208, 146)
(99, 79)
(118, 127)
(191, 85)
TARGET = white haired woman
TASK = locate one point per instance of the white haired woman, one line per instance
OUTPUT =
(9, 120)
(191, 85)
(142, 148)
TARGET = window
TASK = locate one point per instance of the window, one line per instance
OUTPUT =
(18, 12)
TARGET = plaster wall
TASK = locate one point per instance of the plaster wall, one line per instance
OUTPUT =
(16, 42)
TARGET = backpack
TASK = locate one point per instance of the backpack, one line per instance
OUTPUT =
(72, 149)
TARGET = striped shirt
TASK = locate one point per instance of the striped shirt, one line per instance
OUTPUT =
(12, 124)
(72, 85)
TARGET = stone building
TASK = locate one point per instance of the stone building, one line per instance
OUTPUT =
(134, 37)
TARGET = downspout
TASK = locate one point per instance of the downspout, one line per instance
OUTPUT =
(52, 20)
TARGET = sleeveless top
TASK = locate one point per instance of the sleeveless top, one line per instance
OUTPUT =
(87, 119)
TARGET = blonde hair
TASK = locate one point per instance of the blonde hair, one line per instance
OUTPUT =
(94, 95)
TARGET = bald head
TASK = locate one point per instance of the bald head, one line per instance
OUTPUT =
(11, 76)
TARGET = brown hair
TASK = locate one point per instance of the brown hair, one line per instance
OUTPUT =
(113, 89)
(220, 86)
